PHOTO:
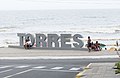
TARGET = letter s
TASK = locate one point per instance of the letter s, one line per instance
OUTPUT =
(75, 38)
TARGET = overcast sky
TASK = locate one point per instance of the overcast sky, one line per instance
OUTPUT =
(58, 4)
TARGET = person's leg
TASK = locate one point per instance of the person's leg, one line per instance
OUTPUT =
(89, 48)
(93, 47)
(97, 48)
(25, 46)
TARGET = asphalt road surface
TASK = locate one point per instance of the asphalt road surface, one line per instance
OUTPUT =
(45, 68)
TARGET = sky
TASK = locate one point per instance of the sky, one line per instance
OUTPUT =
(58, 4)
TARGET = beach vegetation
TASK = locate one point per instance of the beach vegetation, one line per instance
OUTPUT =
(117, 66)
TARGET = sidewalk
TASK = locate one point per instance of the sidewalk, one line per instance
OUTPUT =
(60, 54)
(100, 70)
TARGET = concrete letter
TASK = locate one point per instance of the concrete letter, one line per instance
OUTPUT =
(75, 38)
(65, 38)
(21, 38)
(40, 40)
(53, 38)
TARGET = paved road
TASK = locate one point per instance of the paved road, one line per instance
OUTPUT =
(45, 68)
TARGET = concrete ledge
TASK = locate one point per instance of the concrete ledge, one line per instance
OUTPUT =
(39, 48)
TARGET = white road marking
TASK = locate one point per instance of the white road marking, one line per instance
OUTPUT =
(18, 73)
(5, 67)
(39, 67)
(64, 57)
(5, 71)
(57, 68)
(74, 68)
(22, 66)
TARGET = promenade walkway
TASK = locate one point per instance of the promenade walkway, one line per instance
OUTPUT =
(37, 53)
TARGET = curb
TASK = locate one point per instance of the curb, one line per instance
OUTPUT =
(47, 48)
(61, 57)
(79, 75)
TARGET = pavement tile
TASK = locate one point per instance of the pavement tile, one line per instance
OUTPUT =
(101, 70)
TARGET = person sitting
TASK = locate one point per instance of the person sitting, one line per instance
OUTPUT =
(27, 44)
(97, 46)
(93, 47)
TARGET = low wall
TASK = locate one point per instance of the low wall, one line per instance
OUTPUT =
(81, 49)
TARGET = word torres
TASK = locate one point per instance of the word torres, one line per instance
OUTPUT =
(62, 41)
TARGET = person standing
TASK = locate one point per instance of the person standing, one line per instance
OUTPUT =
(89, 44)
(117, 46)
(117, 43)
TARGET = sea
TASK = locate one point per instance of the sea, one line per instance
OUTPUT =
(102, 25)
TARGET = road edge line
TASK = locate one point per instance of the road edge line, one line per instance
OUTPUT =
(84, 70)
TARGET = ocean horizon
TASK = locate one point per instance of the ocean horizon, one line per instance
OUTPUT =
(101, 24)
